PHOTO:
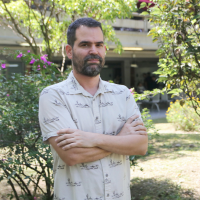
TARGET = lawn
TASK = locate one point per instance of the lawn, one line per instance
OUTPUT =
(171, 170)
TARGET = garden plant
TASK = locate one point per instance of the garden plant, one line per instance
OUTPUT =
(183, 116)
(176, 28)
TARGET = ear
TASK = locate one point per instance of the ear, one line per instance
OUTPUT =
(69, 51)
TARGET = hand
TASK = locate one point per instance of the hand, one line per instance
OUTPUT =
(69, 138)
(133, 126)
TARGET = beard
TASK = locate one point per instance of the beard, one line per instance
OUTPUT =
(88, 69)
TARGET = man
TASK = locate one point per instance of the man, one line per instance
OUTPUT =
(91, 125)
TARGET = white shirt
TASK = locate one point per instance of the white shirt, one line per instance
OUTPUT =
(68, 105)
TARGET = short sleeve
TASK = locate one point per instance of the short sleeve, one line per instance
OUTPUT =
(53, 114)
(131, 106)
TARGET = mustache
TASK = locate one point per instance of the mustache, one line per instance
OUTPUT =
(92, 57)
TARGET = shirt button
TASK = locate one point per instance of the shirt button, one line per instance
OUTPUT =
(107, 195)
(106, 175)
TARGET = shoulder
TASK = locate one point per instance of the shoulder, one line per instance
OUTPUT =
(112, 87)
(55, 88)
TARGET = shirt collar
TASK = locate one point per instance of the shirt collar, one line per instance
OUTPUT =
(76, 88)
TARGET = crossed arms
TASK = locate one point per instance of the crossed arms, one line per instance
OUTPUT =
(75, 146)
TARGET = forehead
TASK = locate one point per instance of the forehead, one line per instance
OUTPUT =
(91, 34)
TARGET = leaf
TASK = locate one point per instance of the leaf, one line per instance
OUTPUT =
(182, 102)
(143, 5)
(144, 13)
(131, 157)
(195, 17)
(189, 39)
(28, 182)
(155, 11)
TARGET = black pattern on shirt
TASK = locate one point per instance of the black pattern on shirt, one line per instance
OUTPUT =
(75, 120)
(89, 198)
(105, 104)
(128, 97)
(97, 120)
(45, 91)
(107, 181)
(74, 84)
(117, 195)
(62, 92)
(114, 164)
(121, 118)
(117, 92)
(57, 103)
(109, 133)
(48, 121)
(73, 184)
(61, 167)
(84, 166)
(80, 105)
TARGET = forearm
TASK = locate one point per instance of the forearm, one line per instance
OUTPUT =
(78, 155)
(84, 155)
(125, 145)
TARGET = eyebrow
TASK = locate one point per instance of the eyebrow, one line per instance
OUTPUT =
(83, 42)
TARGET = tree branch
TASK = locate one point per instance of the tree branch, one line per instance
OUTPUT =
(18, 29)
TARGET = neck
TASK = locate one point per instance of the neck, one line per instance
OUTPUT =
(90, 84)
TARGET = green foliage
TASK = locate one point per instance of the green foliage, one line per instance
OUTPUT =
(183, 116)
(26, 159)
(151, 130)
(176, 28)
(49, 20)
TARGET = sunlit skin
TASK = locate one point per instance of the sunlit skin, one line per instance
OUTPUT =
(89, 41)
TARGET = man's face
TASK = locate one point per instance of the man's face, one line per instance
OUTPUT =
(88, 53)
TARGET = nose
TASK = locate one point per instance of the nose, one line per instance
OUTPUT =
(93, 50)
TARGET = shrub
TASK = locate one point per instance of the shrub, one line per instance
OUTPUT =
(26, 160)
(182, 114)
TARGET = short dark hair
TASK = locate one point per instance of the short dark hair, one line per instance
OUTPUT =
(71, 32)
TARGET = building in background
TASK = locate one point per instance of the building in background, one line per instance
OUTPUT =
(128, 68)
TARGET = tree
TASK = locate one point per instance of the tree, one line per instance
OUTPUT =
(176, 28)
(47, 21)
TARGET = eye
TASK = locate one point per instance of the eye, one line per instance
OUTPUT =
(99, 45)
(84, 45)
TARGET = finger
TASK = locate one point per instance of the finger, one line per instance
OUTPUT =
(69, 146)
(142, 133)
(140, 128)
(66, 130)
(137, 123)
(63, 137)
(66, 142)
(132, 118)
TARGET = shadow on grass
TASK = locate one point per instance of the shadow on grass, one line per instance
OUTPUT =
(176, 145)
(152, 189)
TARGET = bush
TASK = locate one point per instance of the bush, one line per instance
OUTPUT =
(26, 160)
(182, 114)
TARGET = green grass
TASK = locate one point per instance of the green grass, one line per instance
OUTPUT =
(160, 120)
(170, 171)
